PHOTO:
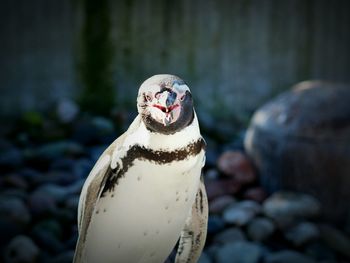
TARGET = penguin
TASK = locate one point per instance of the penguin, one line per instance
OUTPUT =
(145, 192)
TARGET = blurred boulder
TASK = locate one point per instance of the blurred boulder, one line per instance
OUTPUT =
(286, 207)
(260, 228)
(221, 187)
(241, 213)
(230, 235)
(21, 249)
(240, 251)
(301, 141)
(257, 194)
(235, 164)
(217, 205)
(67, 110)
(288, 256)
(335, 239)
(302, 233)
(10, 156)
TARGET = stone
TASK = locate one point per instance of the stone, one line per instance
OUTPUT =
(14, 210)
(235, 164)
(335, 239)
(67, 110)
(220, 187)
(211, 174)
(41, 204)
(257, 194)
(260, 229)
(215, 224)
(240, 252)
(302, 233)
(93, 130)
(241, 213)
(10, 156)
(285, 207)
(301, 141)
(217, 205)
(288, 256)
(15, 181)
(54, 150)
(47, 240)
(82, 168)
(230, 235)
(21, 249)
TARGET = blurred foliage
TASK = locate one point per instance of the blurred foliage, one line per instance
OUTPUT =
(96, 58)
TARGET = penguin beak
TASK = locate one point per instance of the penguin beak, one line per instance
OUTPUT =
(166, 103)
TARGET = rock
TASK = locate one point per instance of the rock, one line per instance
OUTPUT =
(58, 149)
(237, 165)
(240, 252)
(286, 207)
(302, 233)
(241, 213)
(72, 203)
(56, 192)
(61, 178)
(62, 164)
(230, 235)
(215, 224)
(33, 177)
(15, 180)
(47, 240)
(40, 204)
(221, 187)
(211, 174)
(335, 239)
(257, 194)
(10, 156)
(67, 110)
(295, 147)
(260, 229)
(49, 226)
(217, 205)
(14, 210)
(82, 168)
(204, 258)
(288, 256)
(21, 249)
(93, 130)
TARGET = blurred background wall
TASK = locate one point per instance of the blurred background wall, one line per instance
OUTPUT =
(234, 54)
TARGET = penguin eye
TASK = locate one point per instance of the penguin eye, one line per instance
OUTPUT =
(182, 97)
(147, 97)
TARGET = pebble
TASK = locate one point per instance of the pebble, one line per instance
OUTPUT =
(215, 224)
(14, 210)
(221, 187)
(288, 256)
(335, 239)
(260, 229)
(239, 252)
(230, 235)
(21, 249)
(217, 205)
(10, 156)
(41, 204)
(236, 164)
(241, 213)
(67, 110)
(257, 194)
(302, 233)
(286, 207)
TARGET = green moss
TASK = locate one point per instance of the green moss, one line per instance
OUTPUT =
(96, 59)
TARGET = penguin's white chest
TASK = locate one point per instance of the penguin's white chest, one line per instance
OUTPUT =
(141, 219)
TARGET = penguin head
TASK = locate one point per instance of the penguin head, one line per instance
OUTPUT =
(165, 104)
